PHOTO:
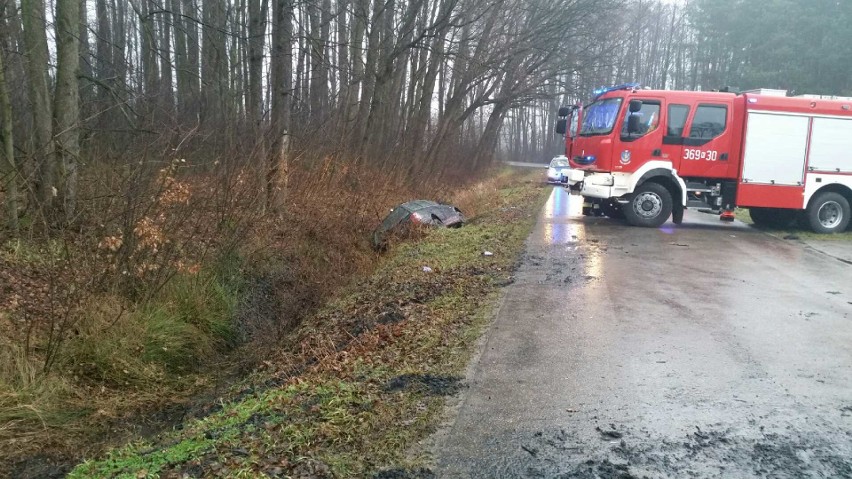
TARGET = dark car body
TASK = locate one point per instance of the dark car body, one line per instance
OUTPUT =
(417, 212)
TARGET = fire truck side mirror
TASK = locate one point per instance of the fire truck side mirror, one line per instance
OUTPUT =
(635, 106)
(564, 111)
(561, 126)
(633, 124)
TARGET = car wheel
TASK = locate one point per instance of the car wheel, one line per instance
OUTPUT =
(649, 206)
(828, 213)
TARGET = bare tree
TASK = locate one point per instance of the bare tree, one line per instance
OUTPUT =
(66, 108)
(35, 43)
(9, 170)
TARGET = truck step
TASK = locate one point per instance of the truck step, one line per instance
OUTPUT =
(694, 186)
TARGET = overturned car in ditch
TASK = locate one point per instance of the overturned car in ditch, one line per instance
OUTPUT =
(413, 214)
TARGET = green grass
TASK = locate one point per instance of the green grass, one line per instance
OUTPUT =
(338, 418)
(152, 353)
(186, 322)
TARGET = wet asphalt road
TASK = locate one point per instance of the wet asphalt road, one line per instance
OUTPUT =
(702, 350)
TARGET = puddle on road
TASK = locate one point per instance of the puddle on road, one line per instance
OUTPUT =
(561, 251)
(561, 214)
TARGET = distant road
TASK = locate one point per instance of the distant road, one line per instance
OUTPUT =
(520, 164)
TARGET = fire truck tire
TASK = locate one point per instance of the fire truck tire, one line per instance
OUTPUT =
(650, 205)
(773, 217)
(829, 212)
(760, 216)
(677, 214)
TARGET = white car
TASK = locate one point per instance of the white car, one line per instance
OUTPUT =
(558, 169)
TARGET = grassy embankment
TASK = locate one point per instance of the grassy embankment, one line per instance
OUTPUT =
(798, 233)
(361, 381)
(155, 303)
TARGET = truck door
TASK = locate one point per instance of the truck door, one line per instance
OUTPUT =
(707, 145)
(676, 116)
(642, 143)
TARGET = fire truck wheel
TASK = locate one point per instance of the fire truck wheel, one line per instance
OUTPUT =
(829, 212)
(650, 205)
(760, 216)
(773, 217)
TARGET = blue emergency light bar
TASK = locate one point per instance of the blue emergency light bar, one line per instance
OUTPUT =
(624, 86)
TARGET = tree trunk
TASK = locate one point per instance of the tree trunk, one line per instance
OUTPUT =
(165, 53)
(360, 9)
(191, 70)
(369, 75)
(325, 49)
(86, 85)
(282, 89)
(300, 87)
(35, 42)
(214, 63)
(8, 169)
(342, 56)
(104, 71)
(150, 66)
(318, 72)
(182, 72)
(257, 35)
(67, 102)
(119, 42)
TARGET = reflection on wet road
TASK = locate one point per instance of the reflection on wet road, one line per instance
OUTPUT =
(557, 212)
(702, 350)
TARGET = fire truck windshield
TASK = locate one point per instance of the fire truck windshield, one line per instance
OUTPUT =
(573, 123)
(600, 116)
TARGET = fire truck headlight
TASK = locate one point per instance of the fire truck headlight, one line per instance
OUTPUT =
(584, 160)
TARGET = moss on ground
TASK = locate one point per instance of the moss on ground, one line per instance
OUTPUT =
(364, 379)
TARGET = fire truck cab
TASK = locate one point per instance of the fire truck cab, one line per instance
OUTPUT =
(646, 155)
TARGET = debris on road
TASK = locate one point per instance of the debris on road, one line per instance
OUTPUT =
(609, 433)
(531, 450)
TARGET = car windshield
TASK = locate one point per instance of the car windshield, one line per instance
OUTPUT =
(559, 163)
(600, 116)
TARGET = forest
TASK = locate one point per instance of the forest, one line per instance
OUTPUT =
(90, 81)
(166, 163)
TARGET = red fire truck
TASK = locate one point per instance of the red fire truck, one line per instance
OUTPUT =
(646, 155)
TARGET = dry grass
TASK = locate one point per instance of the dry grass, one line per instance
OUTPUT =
(361, 381)
(163, 298)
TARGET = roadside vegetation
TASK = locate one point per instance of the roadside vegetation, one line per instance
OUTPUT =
(357, 384)
(115, 333)
(794, 231)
